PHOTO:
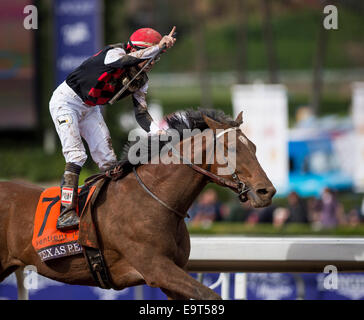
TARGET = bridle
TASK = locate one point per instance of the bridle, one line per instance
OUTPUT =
(235, 184)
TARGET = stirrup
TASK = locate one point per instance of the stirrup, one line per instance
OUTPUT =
(68, 220)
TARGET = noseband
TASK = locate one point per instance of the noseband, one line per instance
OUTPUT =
(242, 188)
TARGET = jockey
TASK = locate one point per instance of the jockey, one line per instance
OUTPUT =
(75, 108)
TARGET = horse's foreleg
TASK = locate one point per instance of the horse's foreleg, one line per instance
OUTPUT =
(164, 273)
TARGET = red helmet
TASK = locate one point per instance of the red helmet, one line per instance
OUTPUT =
(144, 38)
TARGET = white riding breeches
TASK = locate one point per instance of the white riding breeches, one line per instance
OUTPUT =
(74, 119)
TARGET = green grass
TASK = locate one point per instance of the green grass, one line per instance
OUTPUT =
(173, 99)
(32, 164)
(295, 34)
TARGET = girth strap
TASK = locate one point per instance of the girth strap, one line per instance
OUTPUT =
(89, 237)
(97, 267)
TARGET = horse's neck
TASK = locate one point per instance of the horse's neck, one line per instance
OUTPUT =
(178, 184)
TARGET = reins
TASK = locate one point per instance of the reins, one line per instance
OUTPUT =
(155, 197)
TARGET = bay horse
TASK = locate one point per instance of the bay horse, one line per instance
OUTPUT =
(143, 241)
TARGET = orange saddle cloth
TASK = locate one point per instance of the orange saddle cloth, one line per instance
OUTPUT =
(49, 242)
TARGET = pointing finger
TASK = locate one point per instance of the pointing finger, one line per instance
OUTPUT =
(172, 31)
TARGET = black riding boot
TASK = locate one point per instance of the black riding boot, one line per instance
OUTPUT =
(68, 218)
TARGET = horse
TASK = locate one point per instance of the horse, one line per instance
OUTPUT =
(144, 241)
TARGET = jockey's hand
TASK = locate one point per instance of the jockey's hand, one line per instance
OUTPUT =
(168, 41)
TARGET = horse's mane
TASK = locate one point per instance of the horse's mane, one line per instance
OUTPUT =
(180, 120)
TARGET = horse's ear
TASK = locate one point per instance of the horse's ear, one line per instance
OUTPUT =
(213, 124)
(239, 118)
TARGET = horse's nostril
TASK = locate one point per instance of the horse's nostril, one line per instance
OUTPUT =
(262, 191)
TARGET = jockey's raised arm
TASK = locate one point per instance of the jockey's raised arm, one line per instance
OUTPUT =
(118, 58)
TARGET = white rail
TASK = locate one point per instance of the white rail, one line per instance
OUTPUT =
(272, 254)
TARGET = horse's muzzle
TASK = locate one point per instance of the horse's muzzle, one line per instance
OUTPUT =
(261, 197)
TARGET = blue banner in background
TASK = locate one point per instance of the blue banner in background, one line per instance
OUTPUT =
(77, 34)
(259, 286)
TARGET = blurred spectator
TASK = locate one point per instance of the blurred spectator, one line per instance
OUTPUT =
(297, 209)
(280, 216)
(253, 218)
(240, 212)
(361, 211)
(330, 212)
(266, 214)
(207, 209)
(353, 218)
(296, 212)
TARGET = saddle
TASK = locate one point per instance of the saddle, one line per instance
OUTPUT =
(48, 241)
(51, 243)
